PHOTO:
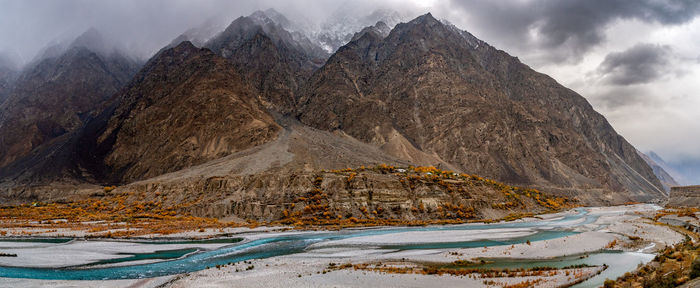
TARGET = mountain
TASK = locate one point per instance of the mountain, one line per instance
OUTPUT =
(250, 121)
(430, 87)
(200, 34)
(274, 60)
(380, 29)
(185, 107)
(340, 26)
(54, 95)
(685, 172)
(660, 169)
(688, 171)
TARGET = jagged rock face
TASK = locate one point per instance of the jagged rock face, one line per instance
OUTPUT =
(380, 29)
(340, 27)
(55, 96)
(185, 107)
(274, 60)
(445, 92)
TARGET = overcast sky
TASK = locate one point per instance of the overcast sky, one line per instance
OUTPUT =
(637, 62)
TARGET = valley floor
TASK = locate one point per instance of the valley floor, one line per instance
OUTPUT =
(366, 260)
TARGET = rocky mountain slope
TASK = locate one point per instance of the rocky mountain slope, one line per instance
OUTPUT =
(55, 95)
(248, 123)
(276, 61)
(428, 86)
(185, 107)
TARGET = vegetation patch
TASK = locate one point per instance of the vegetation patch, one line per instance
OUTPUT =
(121, 213)
(673, 267)
(112, 216)
(682, 212)
(464, 268)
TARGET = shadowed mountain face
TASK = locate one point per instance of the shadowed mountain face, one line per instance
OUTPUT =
(185, 107)
(275, 61)
(431, 86)
(55, 95)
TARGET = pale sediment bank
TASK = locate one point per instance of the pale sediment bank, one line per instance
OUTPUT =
(611, 230)
(295, 272)
(83, 252)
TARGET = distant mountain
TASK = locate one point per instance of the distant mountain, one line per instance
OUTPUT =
(340, 27)
(380, 29)
(256, 113)
(430, 87)
(661, 170)
(54, 95)
(688, 171)
(685, 171)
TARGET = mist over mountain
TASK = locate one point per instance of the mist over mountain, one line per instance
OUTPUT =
(276, 61)
(8, 74)
(688, 171)
(662, 170)
(685, 171)
(55, 95)
(202, 33)
(342, 25)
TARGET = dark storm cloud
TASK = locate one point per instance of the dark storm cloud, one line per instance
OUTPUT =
(614, 97)
(561, 30)
(568, 28)
(643, 63)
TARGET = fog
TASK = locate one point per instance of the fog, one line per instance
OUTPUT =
(635, 61)
(143, 27)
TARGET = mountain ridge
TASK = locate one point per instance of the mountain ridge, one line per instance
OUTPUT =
(661, 170)
(174, 105)
(425, 93)
(55, 95)
(371, 70)
(270, 57)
